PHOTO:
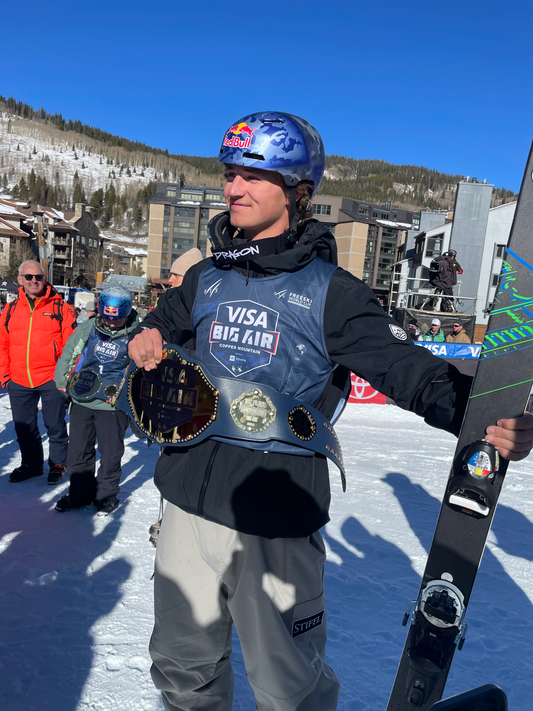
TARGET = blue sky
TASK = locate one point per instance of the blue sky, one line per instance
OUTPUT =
(445, 85)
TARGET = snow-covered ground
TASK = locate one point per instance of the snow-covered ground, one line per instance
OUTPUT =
(76, 595)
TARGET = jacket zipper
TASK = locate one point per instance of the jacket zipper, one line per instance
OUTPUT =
(207, 476)
(29, 337)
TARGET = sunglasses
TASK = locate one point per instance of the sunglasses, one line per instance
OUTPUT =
(29, 277)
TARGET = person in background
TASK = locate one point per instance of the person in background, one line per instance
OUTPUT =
(99, 345)
(33, 331)
(181, 264)
(87, 312)
(412, 329)
(435, 334)
(458, 335)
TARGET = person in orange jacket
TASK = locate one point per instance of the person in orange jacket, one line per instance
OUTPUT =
(33, 330)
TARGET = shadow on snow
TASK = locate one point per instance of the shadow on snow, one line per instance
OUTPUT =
(371, 590)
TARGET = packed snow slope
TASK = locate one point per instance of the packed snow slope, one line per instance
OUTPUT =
(76, 595)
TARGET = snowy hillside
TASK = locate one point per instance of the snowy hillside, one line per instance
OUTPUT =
(57, 155)
(76, 598)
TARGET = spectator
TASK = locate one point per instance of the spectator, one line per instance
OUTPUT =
(412, 329)
(458, 335)
(99, 345)
(435, 334)
(181, 264)
(87, 312)
(33, 331)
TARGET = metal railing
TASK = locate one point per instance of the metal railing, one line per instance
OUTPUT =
(416, 296)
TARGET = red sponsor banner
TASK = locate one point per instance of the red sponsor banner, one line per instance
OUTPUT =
(363, 392)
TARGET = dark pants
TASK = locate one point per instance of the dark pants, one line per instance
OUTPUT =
(87, 426)
(24, 404)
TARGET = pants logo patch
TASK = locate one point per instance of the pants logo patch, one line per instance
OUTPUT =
(306, 624)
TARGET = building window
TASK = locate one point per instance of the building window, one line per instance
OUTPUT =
(322, 209)
(78, 239)
(183, 212)
(214, 196)
(171, 191)
(362, 210)
(434, 246)
(165, 273)
(495, 278)
(167, 210)
(197, 197)
(185, 244)
(83, 239)
(388, 248)
(380, 215)
(365, 276)
(184, 228)
(500, 248)
(203, 230)
(166, 227)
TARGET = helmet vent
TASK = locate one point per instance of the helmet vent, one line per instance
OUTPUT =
(273, 121)
(253, 156)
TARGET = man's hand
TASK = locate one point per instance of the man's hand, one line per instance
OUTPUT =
(146, 349)
(513, 438)
(63, 390)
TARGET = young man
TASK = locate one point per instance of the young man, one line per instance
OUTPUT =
(435, 334)
(99, 347)
(181, 264)
(33, 331)
(458, 335)
(239, 541)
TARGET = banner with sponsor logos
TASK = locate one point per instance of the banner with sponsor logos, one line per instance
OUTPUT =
(362, 392)
(452, 350)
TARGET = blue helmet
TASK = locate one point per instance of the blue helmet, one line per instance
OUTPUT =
(115, 303)
(273, 140)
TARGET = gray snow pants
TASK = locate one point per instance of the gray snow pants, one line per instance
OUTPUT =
(208, 577)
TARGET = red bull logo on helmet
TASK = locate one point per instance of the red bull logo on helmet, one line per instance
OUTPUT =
(234, 133)
(111, 311)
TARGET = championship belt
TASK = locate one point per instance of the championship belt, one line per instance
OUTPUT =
(180, 403)
(87, 385)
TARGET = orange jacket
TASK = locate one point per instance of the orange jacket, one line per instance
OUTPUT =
(33, 340)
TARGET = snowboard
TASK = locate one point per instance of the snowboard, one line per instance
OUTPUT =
(501, 388)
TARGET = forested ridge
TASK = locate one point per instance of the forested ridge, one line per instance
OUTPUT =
(118, 176)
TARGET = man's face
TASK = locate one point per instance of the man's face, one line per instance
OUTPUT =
(114, 325)
(33, 288)
(434, 327)
(175, 279)
(257, 201)
(457, 327)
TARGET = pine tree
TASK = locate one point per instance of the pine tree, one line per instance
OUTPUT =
(78, 195)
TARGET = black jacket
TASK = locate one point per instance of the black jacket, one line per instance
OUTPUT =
(278, 495)
(447, 276)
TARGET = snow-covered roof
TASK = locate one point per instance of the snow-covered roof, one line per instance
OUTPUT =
(7, 228)
(397, 225)
(135, 251)
(7, 208)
